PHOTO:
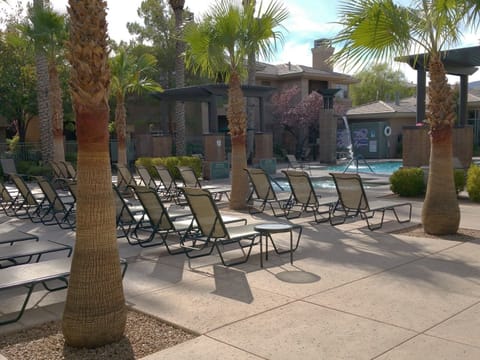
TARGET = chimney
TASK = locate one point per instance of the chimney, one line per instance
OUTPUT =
(321, 52)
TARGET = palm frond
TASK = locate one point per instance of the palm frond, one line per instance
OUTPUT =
(229, 33)
(380, 30)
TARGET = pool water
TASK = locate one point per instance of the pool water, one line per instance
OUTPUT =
(379, 167)
(281, 184)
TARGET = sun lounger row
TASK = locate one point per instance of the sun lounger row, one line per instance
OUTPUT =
(195, 228)
(351, 200)
(165, 184)
(45, 205)
(21, 266)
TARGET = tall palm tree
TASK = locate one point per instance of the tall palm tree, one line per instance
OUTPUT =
(251, 74)
(219, 46)
(41, 67)
(95, 312)
(177, 6)
(380, 30)
(129, 75)
(48, 31)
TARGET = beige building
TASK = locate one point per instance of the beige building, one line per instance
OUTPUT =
(320, 76)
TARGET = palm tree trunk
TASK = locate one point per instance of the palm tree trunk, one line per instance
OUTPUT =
(179, 83)
(95, 312)
(237, 126)
(57, 113)
(252, 69)
(121, 127)
(440, 212)
(46, 138)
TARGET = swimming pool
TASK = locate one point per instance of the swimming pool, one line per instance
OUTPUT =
(378, 167)
(324, 182)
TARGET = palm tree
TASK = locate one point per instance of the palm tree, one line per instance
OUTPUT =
(380, 30)
(219, 46)
(48, 31)
(129, 75)
(177, 6)
(41, 67)
(252, 70)
(95, 312)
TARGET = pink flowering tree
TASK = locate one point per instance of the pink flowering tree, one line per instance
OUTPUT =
(299, 117)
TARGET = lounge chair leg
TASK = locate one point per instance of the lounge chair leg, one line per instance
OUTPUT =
(22, 309)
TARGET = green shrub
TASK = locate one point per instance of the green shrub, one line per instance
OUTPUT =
(31, 168)
(23, 166)
(71, 156)
(171, 162)
(39, 170)
(459, 178)
(407, 182)
(473, 183)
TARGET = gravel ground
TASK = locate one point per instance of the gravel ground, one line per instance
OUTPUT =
(144, 335)
(461, 235)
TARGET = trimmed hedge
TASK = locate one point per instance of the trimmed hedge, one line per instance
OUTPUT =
(407, 182)
(31, 168)
(410, 181)
(171, 162)
(473, 183)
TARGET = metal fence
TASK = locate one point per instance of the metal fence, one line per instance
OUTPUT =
(32, 152)
(22, 151)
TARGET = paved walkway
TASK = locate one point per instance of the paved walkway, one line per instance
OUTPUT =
(350, 294)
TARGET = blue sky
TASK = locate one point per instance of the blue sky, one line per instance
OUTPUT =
(308, 20)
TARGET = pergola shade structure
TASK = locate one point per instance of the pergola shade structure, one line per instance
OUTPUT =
(209, 93)
(460, 62)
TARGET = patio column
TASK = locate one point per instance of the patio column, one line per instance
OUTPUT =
(421, 83)
(462, 112)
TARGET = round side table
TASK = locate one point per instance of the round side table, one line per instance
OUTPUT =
(267, 229)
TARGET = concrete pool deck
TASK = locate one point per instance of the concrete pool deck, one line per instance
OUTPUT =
(350, 293)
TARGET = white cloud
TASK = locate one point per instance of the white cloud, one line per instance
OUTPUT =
(296, 53)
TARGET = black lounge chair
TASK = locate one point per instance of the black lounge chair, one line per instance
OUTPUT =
(209, 231)
(59, 170)
(264, 194)
(169, 189)
(190, 179)
(305, 199)
(158, 221)
(29, 275)
(57, 210)
(27, 205)
(352, 202)
(125, 180)
(25, 253)
(7, 200)
(128, 215)
(70, 171)
(147, 179)
(13, 236)
(296, 164)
